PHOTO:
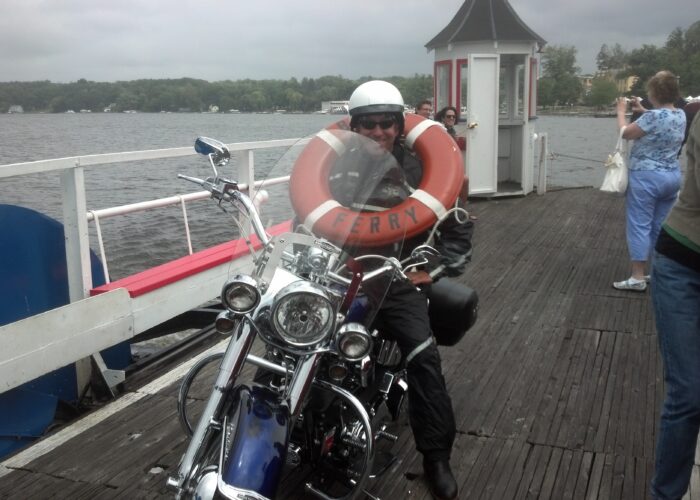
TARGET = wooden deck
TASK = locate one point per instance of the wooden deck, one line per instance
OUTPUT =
(557, 388)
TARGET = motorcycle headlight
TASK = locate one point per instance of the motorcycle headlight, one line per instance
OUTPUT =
(353, 341)
(241, 294)
(303, 314)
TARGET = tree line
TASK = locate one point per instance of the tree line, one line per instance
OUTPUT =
(560, 83)
(189, 94)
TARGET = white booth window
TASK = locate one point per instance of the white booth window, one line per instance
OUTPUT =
(504, 101)
(520, 83)
(511, 88)
(443, 75)
(462, 69)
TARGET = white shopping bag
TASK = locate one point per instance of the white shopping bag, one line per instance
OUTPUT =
(615, 180)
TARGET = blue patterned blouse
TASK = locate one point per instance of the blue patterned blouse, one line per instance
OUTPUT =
(658, 149)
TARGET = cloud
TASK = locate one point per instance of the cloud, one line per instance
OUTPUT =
(215, 40)
(588, 25)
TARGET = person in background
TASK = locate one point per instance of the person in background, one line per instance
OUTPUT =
(424, 109)
(448, 116)
(654, 171)
(675, 293)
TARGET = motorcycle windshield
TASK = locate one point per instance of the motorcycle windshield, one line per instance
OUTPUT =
(335, 207)
(347, 190)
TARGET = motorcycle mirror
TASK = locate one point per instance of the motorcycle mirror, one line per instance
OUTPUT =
(217, 151)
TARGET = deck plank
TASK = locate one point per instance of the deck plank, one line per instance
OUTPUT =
(556, 390)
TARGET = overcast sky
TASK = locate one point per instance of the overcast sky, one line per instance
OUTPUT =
(110, 40)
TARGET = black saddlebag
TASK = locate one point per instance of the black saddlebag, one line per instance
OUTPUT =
(452, 309)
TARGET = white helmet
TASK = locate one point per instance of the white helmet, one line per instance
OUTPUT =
(376, 96)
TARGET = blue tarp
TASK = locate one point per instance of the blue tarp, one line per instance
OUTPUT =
(33, 279)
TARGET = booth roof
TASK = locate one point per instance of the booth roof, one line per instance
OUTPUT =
(478, 20)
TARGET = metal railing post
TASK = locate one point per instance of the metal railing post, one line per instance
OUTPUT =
(246, 175)
(76, 233)
(542, 164)
(78, 265)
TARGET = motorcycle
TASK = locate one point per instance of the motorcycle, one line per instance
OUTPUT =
(328, 387)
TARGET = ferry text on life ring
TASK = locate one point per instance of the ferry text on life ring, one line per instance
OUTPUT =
(442, 180)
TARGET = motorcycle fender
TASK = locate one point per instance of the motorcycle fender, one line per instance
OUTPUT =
(259, 442)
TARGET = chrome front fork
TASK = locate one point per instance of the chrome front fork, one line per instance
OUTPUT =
(230, 368)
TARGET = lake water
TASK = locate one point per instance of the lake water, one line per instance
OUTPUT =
(156, 237)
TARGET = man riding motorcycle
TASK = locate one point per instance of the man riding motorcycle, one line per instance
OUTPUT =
(376, 110)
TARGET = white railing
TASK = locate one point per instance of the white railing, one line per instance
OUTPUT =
(74, 333)
(76, 216)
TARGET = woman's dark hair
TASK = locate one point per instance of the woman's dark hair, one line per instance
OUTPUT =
(441, 114)
(664, 87)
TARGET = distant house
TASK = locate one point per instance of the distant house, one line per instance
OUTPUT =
(335, 107)
(15, 108)
(623, 84)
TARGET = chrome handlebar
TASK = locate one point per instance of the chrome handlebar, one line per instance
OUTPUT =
(227, 191)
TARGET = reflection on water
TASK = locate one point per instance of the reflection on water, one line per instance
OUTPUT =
(139, 241)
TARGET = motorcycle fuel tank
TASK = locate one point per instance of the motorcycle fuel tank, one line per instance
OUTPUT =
(259, 442)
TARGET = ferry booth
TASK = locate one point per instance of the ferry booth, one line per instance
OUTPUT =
(486, 67)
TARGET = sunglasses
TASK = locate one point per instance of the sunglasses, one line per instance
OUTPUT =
(370, 124)
(450, 116)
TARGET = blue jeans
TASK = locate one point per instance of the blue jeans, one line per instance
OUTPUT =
(675, 293)
(650, 197)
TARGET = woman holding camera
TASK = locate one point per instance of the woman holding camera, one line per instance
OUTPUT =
(654, 170)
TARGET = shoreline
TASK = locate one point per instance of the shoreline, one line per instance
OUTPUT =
(578, 111)
(564, 111)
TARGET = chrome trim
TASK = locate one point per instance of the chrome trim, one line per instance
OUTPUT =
(352, 328)
(388, 353)
(268, 365)
(206, 486)
(386, 382)
(244, 280)
(366, 371)
(245, 204)
(369, 448)
(301, 383)
(234, 493)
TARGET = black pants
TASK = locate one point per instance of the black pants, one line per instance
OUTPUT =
(403, 316)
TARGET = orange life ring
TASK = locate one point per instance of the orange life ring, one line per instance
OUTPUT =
(442, 180)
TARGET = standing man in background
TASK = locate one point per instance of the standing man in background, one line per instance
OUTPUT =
(424, 109)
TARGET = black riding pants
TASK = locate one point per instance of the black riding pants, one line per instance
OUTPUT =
(403, 316)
